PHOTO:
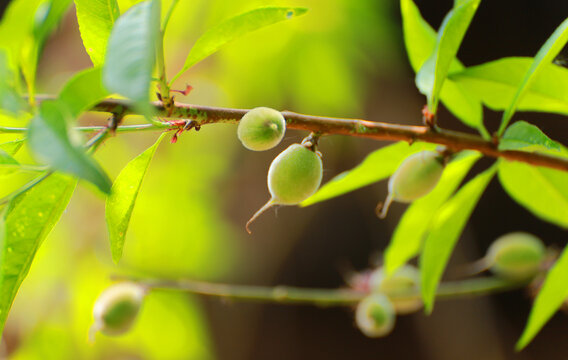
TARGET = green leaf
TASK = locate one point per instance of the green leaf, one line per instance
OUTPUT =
(50, 140)
(96, 18)
(130, 55)
(82, 92)
(12, 147)
(27, 220)
(47, 16)
(412, 228)
(495, 84)
(420, 42)
(434, 71)
(10, 99)
(120, 202)
(235, 27)
(419, 37)
(545, 55)
(445, 230)
(522, 135)
(8, 164)
(553, 293)
(542, 191)
(377, 166)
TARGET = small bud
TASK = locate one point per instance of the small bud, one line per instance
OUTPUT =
(415, 177)
(261, 129)
(116, 309)
(403, 281)
(375, 315)
(517, 256)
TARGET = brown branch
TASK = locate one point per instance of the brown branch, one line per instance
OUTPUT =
(350, 127)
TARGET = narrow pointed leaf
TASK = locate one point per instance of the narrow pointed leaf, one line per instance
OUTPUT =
(12, 147)
(420, 41)
(434, 71)
(96, 18)
(496, 82)
(26, 222)
(542, 191)
(131, 53)
(445, 230)
(84, 90)
(528, 137)
(544, 57)
(120, 202)
(8, 164)
(50, 141)
(10, 99)
(235, 27)
(377, 166)
(414, 224)
(553, 293)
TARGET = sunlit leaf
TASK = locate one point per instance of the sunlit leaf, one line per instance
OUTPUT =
(420, 42)
(96, 18)
(553, 293)
(82, 91)
(120, 202)
(544, 57)
(444, 232)
(12, 147)
(236, 27)
(10, 100)
(412, 228)
(8, 164)
(131, 53)
(48, 138)
(25, 223)
(433, 72)
(522, 135)
(542, 191)
(47, 16)
(377, 166)
(495, 84)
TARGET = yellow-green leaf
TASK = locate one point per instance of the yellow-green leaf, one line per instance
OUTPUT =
(120, 202)
(445, 231)
(26, 221)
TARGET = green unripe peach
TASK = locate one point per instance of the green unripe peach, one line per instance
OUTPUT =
(517, 255)
(375, 315)
(116, 309)
(404, 280)
(261, 129)
(416, 176)
(294, 175)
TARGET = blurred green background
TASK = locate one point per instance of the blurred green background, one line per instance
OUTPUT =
(343, 58)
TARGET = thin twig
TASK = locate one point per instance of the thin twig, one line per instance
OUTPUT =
(453, 140)
(321, 297)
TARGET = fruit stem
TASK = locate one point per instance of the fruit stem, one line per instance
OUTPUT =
(265, 207)
(382, 208)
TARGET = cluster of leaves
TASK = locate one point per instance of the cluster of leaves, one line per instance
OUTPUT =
(432, 225)
(126, 51)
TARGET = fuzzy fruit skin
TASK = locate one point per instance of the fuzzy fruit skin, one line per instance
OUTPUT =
(294, 175)
(261, 129)
(516, 255)
(404, 280)
(375, 315)
(416, 176)
(117, 307)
